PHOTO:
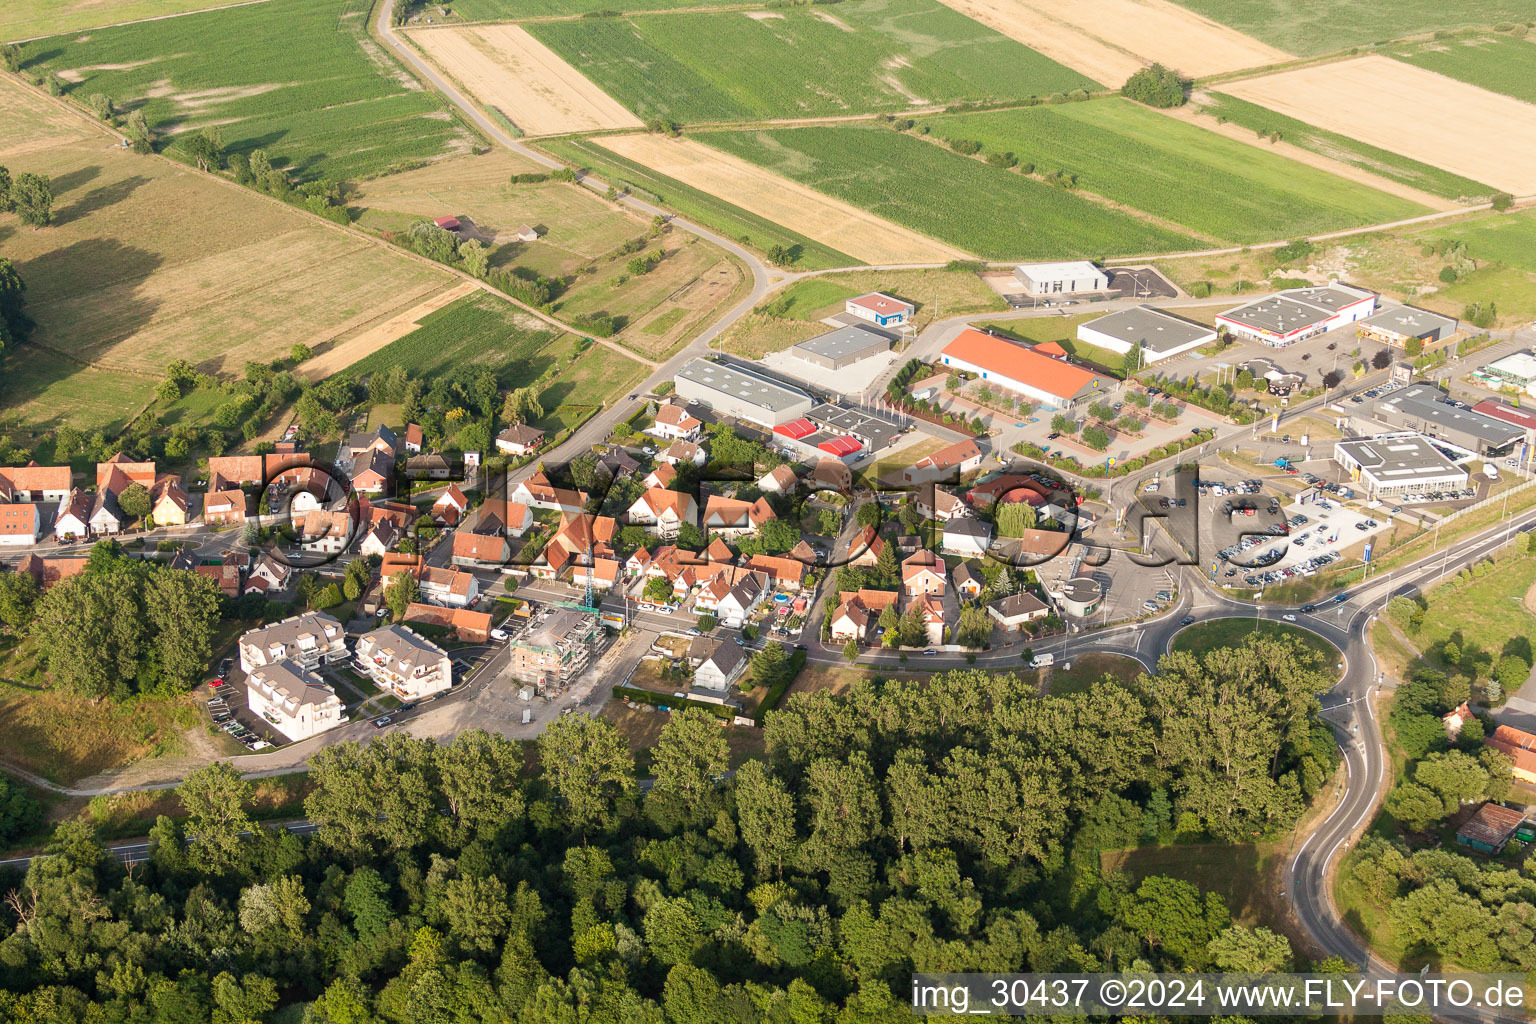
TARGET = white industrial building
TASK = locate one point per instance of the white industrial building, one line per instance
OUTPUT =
(1517, 371)
(292, 699)
(733, 391)
(1392, 465)
(1060, 278)
(1158, 334)
(1284, 318)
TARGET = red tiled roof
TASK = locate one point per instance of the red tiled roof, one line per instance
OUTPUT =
(879, 303)
(33, 477)
(1019, 363)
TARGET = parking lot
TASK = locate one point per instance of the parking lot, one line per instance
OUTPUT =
(1311, 536)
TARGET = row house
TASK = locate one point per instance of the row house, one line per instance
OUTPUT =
(50, 571)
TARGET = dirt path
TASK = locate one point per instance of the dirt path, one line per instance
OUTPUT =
(1311, 159)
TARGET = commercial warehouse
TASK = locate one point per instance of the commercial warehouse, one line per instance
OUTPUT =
(1516, 371)
(1423, 408)
(1158, 334)
(1042, 378)
(1522, 418)
(732, 391)
(1284, 318)
(1392, 465)
(1060, 278)
(842, 347)
(1397, 326)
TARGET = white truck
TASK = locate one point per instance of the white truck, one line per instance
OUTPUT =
(1042, 660)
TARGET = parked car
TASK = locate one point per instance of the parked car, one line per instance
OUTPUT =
(930, 651)
(382, 721)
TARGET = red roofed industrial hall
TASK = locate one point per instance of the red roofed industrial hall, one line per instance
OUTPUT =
(1021, 369)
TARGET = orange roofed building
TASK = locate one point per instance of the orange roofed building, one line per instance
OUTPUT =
(1022, 370)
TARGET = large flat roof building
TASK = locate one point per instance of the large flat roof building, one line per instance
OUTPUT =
(1065, 278)
(1159, 334)
(1287, 317)
(842, 347)
(1395, 327)
(1422, 407)
(1017, 368)
(1392, 465)
(732, 391)
(1517, 371)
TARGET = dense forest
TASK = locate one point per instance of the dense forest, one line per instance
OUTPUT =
(952, 824)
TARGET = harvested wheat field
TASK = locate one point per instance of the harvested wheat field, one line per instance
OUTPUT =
(1422, 115)
(832, 222)
(345, 351)
(507, 70)
(1109, 40)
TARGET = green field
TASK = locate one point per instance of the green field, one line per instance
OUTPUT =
(711, 211)
(1203, 637)
(511, 10)
(1262, 120)
(43, 391)
(25, 19)
(1507, 238)
(298, 78)
(1482, 616)
(1208, 183)
(479, 329)
(995, 213)
(591, 378)
(1496, 63)
(872, 56)
(1308, 27)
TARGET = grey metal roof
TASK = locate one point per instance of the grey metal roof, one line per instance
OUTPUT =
(1399, 459)
(1153, 329)
(875, 429)
(1411, 321)
(1428, 404)
(748, 387)
(1295, 309)
(845, 341)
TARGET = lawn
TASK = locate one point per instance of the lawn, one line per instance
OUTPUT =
(1241, 874)
(1496, 63)
(299, 78)
(935, 293)
(711, 211)
(1204, 637)
(25, 19)
(65, 738)
(1063, 331)
(593, 377)
(1206, 182)
(873, 56)
(1088, 669)
(1307, 27)
(1482, 616)
(479, 329)
(1507, 238)
(993, 212)
(1399, 168)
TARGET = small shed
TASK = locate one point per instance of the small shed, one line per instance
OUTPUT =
(447, 223)
(1490, 828)
(527, 233)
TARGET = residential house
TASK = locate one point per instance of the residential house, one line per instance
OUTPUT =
(469, 626)
(580, 539)
(373, 469)
(924, 573)
(637, 563)
(451, 588)
(732, 517)
(49, 571)
(783, 573)
(303, 489)
(326, 531)
(933, 616)
(947, 464)
(293, 699)
(382, 440)
(616, 463)
(73, 520)
(519, 439)
(171, 506)
(379, 540)
(1454, 719)
(1520, 747)
(1013, 611)
(865, 547)
(538, 492)
(119, 472)
(968, 585)
(224, 504)
(661, 476)
(275, 575)
(831, 475)
(681, 451)
(428, 467)
(664, 511)
(675, 421)
(19, 524)
(936, 503)
(967, 537)
(778, 480)
(858, 612)
(803, 553)
(227, 576)
(106, 517)
(724, 665)
(480, 550)
(737, 605)
(603, 573)
(509, 517)
(413, 438)
(400, 661)
(1008, 487)
(450, 507)
(34, 483)
(309, 638)
(254, 469)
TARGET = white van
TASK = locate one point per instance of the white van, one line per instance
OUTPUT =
(1042, 660)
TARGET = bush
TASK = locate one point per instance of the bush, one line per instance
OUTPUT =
(1293, 251)
(1200, 289)
(1502, 201)
(1155, 86)
(965, 147)
(1448, 275)
(1002, 160)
